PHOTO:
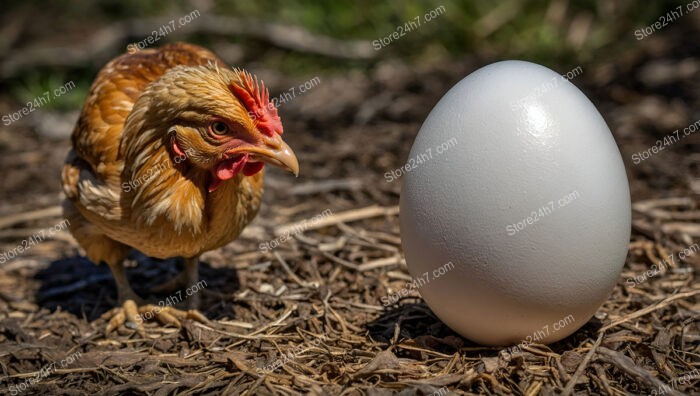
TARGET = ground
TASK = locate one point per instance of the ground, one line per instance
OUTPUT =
(308, 316)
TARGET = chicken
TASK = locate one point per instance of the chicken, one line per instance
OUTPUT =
(167, 158)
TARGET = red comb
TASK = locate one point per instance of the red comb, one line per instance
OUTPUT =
(256, 100)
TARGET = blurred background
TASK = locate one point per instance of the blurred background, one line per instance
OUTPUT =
(45, 45)
(45, 40)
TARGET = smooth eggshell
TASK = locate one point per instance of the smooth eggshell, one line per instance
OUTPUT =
(506, 162)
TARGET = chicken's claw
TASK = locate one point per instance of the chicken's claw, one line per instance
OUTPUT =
(125, 315)
(171, 316)
(131, 316)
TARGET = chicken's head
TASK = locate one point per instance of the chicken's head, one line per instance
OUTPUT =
(219, 120)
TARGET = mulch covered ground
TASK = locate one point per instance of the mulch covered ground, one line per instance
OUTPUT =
(307, 316)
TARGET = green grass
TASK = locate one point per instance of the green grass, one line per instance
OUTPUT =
(36, 85)
(528, 33)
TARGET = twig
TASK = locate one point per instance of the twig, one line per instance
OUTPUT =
(236, 323)
(325, 186)
(20, 233)
(12, 219)
(626, 364)
(292, 275)
(253, 335)
(572, 382)
(666, 215)
(343, 217)
(651, 208)
(644, 206)
(692, 229)
(603, 378)
(649, 309)
(284, 36)
(112, 39)
(340, 261)
(379, 263)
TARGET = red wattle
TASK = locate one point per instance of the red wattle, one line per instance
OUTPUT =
(253, 168)
(229, 168)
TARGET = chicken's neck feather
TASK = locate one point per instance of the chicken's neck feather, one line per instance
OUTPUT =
(161, 188)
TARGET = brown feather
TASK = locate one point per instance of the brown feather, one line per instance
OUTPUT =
(121, 137)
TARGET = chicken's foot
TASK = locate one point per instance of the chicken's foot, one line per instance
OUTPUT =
(132, 316)
(133, 312)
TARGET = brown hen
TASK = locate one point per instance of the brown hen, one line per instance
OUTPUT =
(167, 158)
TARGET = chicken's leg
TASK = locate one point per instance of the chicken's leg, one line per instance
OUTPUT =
(192, 278)
(132, 314)
(186, 279)
(128, 311)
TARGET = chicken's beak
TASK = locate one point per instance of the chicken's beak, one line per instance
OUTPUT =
(276, 152)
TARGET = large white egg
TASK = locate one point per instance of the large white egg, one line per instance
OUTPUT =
(516, 180)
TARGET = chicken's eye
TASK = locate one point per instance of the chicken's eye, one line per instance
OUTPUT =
(219, 128)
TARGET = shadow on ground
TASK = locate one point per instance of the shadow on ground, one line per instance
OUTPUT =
(86, 290)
